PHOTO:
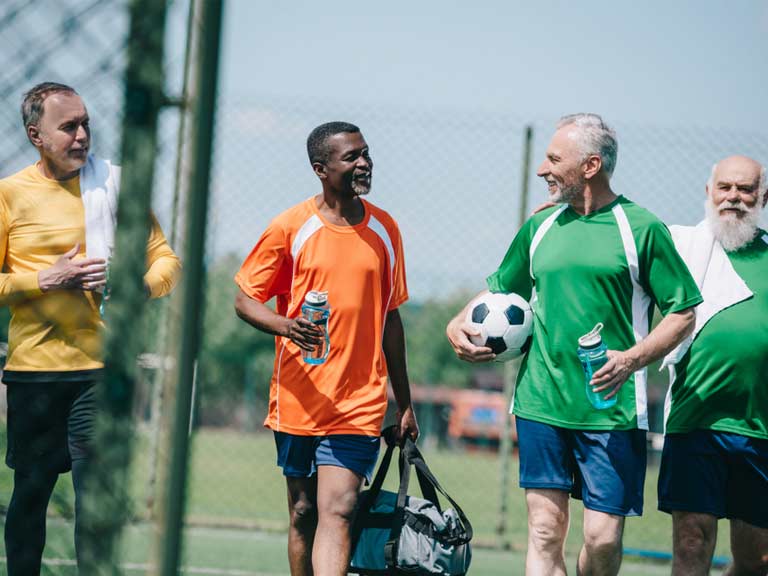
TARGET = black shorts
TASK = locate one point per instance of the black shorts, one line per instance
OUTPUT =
(49, 424)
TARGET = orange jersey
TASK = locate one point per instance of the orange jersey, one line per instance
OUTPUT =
(362, 269)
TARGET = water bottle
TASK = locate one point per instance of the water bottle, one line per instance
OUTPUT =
(316, 310)
(105, 291)
(593, 355)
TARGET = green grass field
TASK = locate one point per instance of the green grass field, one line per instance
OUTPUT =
(237, 512)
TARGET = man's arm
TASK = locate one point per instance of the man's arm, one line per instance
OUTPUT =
(672, 330)
(459, 331)
(163, 266)
(303, 332)
(394, 352)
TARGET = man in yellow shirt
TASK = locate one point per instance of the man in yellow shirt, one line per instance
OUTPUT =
(53, 290)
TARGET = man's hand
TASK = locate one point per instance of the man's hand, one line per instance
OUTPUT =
(543, 206)
(614, 373)
(407, 425)
(304, 333)
(458, 332)
(70, 274)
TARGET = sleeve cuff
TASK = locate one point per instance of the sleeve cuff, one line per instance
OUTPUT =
(27, 283)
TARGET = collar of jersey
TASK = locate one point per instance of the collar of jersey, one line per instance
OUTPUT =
(343, 229)
(607, 208)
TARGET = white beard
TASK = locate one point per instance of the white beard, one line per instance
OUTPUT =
(732, 232)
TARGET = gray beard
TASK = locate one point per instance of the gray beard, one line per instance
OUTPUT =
(732, 233)
(566, 194)
(360, 189)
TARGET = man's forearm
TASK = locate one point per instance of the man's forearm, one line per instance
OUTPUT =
(260, 316)
(394, 352)
(672, 330)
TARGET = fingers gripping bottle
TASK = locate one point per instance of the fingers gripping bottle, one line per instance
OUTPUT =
(593, 354)
(316, 310)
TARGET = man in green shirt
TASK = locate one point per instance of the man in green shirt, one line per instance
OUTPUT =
(715, 459)
(594, 258)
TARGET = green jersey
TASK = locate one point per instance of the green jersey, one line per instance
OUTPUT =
(610, 266)
(722, 381)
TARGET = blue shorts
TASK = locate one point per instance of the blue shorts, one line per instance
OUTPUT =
(716, 473)
(604, 468)
(299, 456)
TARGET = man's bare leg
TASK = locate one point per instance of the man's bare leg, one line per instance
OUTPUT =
(749, 546)
(601, 553)
(694, 536)
(338, 490)
(302, 508)
(548, 518)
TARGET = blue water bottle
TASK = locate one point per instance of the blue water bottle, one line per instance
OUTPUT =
(316, 310)
(593, 354)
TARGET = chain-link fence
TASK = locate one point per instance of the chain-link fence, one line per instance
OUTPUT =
(451, 179)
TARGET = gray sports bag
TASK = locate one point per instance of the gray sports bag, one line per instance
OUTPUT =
(397, 534)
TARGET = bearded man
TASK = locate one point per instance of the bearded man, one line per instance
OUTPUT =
(715, 459)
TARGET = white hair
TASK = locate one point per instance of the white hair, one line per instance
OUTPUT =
(762, 185)
(593, 136)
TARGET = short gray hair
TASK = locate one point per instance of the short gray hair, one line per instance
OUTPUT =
(32, 104)
(593, 136)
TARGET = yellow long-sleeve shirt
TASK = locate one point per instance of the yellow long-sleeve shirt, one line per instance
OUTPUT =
(58, 331)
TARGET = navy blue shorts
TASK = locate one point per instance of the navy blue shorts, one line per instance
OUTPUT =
(604, 468)
(299, 456)
(716, 473)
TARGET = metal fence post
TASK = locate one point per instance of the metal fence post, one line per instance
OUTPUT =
(106, 506)
(511, 368)
(203, 107)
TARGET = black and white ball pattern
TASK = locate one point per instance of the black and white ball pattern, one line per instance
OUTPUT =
(505, 322)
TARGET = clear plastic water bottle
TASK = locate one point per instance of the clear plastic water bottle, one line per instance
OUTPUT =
(316, 310)
(593, 354)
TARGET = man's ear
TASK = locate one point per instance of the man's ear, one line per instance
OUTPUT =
(592, 165)
(319, 169)
(33, 133)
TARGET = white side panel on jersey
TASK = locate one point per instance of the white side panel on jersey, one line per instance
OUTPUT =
(382, 233)
(538, 235)
(640, 306)
(312, 225)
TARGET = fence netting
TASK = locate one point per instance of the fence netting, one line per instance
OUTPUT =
(452, 180)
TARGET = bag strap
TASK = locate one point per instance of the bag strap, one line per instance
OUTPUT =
(415, 458)
(369, 500)
(390, 547)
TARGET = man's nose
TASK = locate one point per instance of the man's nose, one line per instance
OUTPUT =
(82, 133)
(543, 169)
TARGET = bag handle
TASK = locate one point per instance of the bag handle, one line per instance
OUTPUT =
(411, 456)
(373, 492)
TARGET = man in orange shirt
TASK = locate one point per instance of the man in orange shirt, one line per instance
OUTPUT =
(327, 417)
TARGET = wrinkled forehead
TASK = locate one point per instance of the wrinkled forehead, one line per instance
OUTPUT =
(563, 142)
(739, 171)
(64, 106)
(345, 142)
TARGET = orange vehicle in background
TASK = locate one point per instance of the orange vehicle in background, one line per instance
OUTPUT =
(477, 418)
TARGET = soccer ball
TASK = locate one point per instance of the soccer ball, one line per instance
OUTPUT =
(505, 322)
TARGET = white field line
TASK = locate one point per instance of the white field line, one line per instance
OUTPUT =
(146, 567)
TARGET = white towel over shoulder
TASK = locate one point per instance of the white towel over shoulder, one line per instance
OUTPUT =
(99, 185)
(720, 285)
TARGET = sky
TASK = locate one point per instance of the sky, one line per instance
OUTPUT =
(443, 89)
(665, 62)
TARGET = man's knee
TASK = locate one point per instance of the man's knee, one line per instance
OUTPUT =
(303, 514)
(342, 507)
(547, 529)
(602, 542)
(694, 535)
